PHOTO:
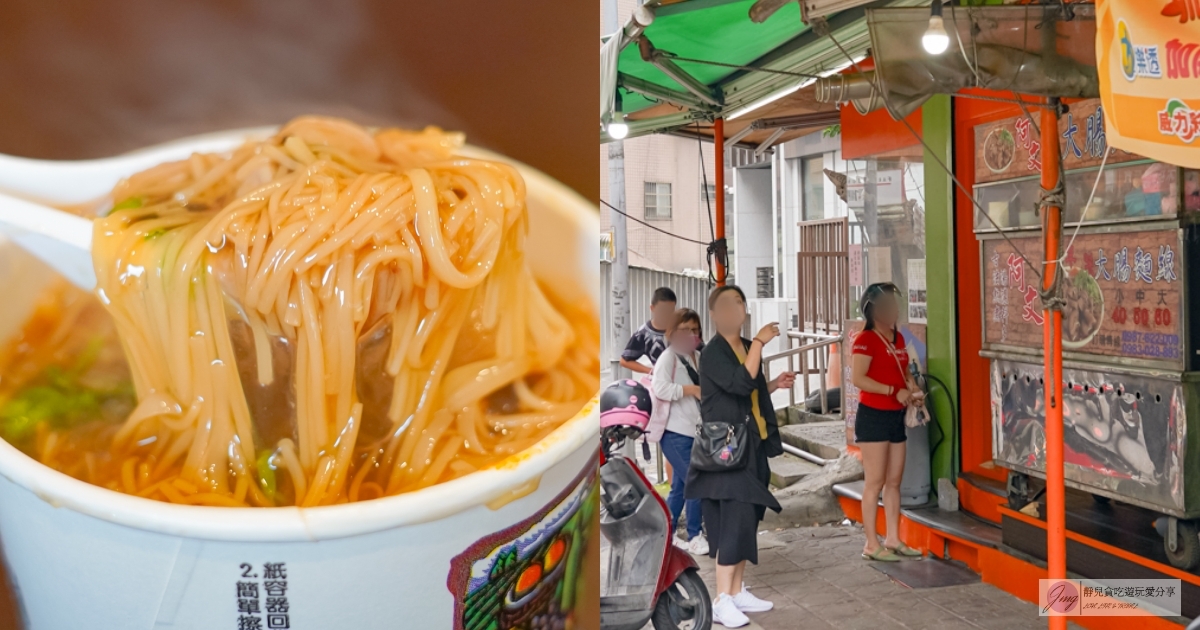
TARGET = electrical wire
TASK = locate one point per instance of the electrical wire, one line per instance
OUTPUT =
(958, 35)
(734, 66)
(712, 230)
(1083, 215)
(653, 227)
(1036, 128)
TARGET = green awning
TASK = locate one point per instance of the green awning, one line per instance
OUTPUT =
(722, 31)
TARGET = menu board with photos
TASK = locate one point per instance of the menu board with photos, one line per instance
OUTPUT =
(1012, 148)
(1123, 294)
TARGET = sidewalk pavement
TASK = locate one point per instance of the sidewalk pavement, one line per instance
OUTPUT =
(818, 581)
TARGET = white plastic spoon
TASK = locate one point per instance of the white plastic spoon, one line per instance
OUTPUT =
(64, 183)
(60, 239)
(63, 240)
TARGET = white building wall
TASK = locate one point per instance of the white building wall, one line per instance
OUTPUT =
(753, 230)
(672, 160)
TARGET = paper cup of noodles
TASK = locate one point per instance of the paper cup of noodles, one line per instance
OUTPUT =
(504, 547)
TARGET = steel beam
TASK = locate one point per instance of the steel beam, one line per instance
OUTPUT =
(766, 144)
(660, 93)
(663, 62)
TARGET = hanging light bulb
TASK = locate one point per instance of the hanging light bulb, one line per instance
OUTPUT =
(617, 129)
(935, 41)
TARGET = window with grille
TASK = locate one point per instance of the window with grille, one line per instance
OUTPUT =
(658, 200)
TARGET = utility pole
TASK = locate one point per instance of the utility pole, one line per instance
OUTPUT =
(616, 193)
(620, 264)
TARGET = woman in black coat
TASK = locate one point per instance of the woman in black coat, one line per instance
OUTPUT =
(733, 388)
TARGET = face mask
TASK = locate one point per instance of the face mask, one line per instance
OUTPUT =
(685, 343)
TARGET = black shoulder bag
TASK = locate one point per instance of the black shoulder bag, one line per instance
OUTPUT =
(720, 446)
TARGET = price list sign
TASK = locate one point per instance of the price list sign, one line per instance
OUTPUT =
(1122, 295)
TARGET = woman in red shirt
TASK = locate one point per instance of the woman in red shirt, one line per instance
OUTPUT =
(880, 372)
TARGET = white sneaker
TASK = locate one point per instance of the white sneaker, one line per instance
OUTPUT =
(681, 543)
(746, 602)
(698, 546)
(726, 613)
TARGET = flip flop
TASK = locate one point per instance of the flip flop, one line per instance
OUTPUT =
(882, 554)
(905, 550)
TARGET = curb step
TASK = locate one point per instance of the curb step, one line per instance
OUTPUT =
(801, 416)
(789, 469)
(823, 439)
(798, 415)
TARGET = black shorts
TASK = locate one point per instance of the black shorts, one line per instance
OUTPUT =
(879, 425)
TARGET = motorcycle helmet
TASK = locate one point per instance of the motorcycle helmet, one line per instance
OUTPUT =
(625, 403)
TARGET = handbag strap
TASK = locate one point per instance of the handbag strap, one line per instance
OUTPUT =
(892, 350)
(692, 373)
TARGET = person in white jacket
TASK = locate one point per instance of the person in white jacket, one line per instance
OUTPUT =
(676, 381)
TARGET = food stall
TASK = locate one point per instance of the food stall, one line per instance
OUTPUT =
(1128, 355)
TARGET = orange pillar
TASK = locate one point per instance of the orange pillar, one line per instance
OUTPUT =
(1056, 529)
(719, 153)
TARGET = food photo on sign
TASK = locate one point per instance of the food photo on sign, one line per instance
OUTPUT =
(319, 346)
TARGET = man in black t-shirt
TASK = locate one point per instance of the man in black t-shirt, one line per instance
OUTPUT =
(648, 340)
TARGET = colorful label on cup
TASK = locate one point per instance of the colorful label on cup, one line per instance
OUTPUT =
(528, 577)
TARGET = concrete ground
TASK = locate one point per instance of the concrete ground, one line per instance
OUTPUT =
(818, 581)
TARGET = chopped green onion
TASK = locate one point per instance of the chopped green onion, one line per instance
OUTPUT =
(58, 397)
(129, 204)
(266, 474)
(53, 403)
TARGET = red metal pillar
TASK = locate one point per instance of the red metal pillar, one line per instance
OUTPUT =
(719, 155)
(1056, 529)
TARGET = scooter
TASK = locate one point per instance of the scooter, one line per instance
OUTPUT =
(643, 577)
